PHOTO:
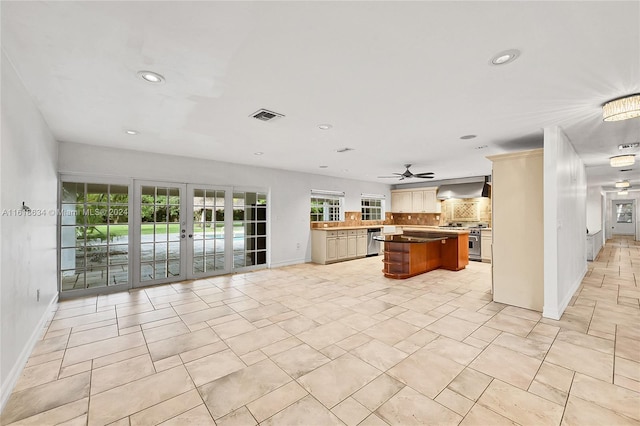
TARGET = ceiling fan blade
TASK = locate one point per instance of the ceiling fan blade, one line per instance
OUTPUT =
(387, 177)
(427, 174)
(424, 177)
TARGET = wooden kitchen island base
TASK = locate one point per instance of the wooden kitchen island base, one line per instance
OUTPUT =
(406, 255)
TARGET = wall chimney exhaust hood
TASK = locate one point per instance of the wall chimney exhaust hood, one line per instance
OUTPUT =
(464, 190)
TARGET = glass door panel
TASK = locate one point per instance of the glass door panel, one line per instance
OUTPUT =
(162, 233)
(208, 242)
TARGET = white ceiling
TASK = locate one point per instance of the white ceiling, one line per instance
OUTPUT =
(400, 82)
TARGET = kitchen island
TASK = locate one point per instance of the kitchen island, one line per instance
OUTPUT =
(416, 252)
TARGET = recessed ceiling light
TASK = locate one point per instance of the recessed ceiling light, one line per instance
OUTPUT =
(131, 132)
(324, 126)
(150, 76)
(505, 57)
(468, 136)
(258, 153)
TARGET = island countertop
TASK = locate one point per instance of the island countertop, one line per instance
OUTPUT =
(400, 238)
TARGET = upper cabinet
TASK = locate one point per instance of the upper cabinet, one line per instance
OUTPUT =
(415, 200)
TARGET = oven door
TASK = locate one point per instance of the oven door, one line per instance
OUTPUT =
(474, 247)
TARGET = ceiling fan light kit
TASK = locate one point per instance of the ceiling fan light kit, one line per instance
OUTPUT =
(622, 108)
(622, 160)
(407, 174)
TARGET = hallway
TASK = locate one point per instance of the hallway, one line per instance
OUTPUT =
(340, 344)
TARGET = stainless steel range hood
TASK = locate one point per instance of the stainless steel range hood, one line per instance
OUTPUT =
(464, 190)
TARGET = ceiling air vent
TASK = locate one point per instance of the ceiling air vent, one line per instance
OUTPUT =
(266, 115)
(628, 145)
(346, 149)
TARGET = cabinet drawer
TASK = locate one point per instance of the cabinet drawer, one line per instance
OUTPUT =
(352, 232)
(332, 233)
(362, 232)
(342, 233)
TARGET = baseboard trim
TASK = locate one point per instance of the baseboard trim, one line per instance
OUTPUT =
(287, 263)
(16, 370)
(555, 313)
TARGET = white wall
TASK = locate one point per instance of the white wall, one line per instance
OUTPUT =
(28, 170)
(594, 209)
(565, 206)
(289, 191)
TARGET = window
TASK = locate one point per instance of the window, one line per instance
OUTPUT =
(94, 235)
(624, 212)
(372, 206)
(249, 229)
(326, 206)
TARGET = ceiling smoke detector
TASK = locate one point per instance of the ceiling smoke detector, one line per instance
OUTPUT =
(266, 115)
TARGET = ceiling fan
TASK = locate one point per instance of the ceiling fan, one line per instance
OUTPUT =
(407, 174)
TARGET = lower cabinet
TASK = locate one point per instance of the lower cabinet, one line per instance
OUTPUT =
(334, 246)
(485, 245)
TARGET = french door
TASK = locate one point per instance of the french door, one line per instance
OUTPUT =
(187, 231)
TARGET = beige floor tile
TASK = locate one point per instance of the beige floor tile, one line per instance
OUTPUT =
(543, 333)
(47, 346)
(145, 317)
(584, 360)
(580, 412)
(507, 365)
(354, 341)
(520, 406)
(167, 409)
(123, 311)
(167, 363)
(273, 402)
(136, 396)
(93, 335)
(54, 416)
(338, 379)
(359, 321)
(119, 373)
(185, 308)
(627, 368)
(591, 342)
(426, 372)
(555, 376)
(470, 383)
(373, 420)
(351, 412)
(102, 348)
(607, 395)
(298, 324)
(628, 348)
(379, 354)
(196, 416)
(378, 391)
(486, 334)
(454, 350)
(83, 320)
(391, 331)
(212, 367)
(454, 401)
(182, 343)
(74, 369)
(281, 346)
(162, 332)
(249, 342)
(409, 407)
(326, 334)
(452, 327)
(233, 328)
(239, 388)
(38, 375)
(203, 351)
(522, 313)
(306, 411)
(45, 397)
(481, 416)
(239, 417)
(511, 324)
(119, 356)
(526, 346)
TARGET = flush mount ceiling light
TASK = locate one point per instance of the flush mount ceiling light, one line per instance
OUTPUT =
(258, 153)
(623, 192)
(622, 108)
(622, 184)
(622, 160)
(323, 167)
(131, 132)
(505, 57)
(150, 76)
(324, 126)
(468, 136)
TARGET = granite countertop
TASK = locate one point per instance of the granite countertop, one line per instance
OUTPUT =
(399, 238)
(345, 228)
(433, 229)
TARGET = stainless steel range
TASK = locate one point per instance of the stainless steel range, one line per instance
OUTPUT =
(474, 244)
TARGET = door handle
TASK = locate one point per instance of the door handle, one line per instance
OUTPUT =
(190, 235)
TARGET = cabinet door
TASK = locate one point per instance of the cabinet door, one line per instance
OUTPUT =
(431, 203)
(352, 246)
(417, 201)
(361, 245)
(401, 202)
(332, 248)
(342, 247)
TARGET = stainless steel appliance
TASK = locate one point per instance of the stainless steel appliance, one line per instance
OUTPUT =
(373, 246)
(474, 244)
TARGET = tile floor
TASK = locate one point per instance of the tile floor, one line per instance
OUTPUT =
(340, 344)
